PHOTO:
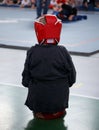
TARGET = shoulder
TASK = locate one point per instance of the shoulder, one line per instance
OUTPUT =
(31, 49)
(63, 48)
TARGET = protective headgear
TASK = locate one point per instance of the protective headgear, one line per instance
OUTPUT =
(48, 29)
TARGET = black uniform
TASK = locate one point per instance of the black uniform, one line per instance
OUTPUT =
(48, 73)
(67, 10)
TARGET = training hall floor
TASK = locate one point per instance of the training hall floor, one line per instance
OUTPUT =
(81, 38)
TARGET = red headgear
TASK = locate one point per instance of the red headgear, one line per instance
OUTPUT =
(49, 30)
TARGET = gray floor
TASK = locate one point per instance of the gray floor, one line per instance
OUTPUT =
(16, 26)
(83, 113)
(87, 84)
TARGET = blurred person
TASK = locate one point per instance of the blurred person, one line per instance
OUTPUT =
(68, 13)
(78, 3)
(11, 2)
(58, 6)
(7, 2)
(33, 4)
(89, 4)
(25, 3)
(52, 4)
(42, 7)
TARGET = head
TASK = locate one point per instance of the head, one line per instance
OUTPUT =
(48, 29)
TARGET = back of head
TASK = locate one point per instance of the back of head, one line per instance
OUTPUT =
(48, 29)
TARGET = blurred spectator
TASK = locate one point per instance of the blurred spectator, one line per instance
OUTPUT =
(66, 11)
(25, 3)
(33, 4)
(88, 4)
(58, 6)
(42, 7)
(11, 2)
(52, 4)
(7, 2)
(78, 3)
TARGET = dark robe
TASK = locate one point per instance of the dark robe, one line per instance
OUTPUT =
(48, 73)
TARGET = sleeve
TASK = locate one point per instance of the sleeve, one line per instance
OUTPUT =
(72, 74)
(71, 68)
(26, 77)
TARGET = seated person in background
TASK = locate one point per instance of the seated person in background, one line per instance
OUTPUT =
(68, 13)
(78, 3)
(18, 2)
(57, 7)
(52, 4)
(7, 2)
(25, 3)
(88, 4)
(11, 2)
(33, 4)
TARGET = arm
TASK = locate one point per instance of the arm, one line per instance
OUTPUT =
(72, 74)
(26, 72)
(69, 66)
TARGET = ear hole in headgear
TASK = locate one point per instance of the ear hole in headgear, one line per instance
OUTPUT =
(42, 20)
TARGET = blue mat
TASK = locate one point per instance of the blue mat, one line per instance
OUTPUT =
(17, 31)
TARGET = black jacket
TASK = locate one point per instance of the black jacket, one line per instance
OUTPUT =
(48, 73)
(67, 11)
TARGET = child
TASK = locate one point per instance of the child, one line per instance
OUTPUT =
(68, 13)
(48, 72)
